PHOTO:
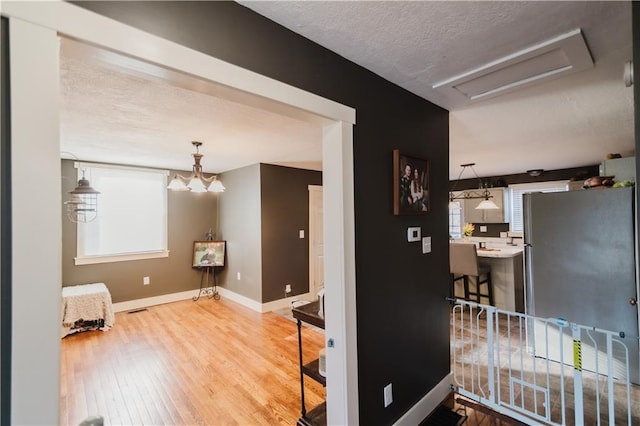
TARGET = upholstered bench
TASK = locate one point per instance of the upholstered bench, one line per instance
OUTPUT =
(86, 304)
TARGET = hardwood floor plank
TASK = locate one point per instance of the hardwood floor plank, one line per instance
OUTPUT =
(208, 362)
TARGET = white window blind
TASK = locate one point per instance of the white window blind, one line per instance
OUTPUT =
(132, 215)
(516, 191)
(455, 219)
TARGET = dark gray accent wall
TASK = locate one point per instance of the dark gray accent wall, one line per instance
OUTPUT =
(285, 212)
(189, 217)
(5, 227)
(493, 229)
(402, 316)
(239, 218)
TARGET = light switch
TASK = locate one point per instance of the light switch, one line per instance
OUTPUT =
(388, 395)
(426, 245)
(413, 234)
(301, 233)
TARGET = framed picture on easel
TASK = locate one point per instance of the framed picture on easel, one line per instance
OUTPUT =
(208, 253)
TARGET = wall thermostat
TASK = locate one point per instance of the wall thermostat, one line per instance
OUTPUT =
(413, 234)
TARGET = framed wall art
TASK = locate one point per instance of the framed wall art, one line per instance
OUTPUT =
(208, 253)
(410, 184)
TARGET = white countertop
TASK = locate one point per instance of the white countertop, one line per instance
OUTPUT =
(494, 250)
(500, 252)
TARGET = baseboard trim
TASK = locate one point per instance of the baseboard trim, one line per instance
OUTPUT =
(285, 303)
(130, 305)
(428, 403)
(262, 307)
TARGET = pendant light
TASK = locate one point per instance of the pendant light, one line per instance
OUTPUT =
(197, 182)
(83, 205)
(485, 204)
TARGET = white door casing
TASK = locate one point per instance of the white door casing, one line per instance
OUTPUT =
(316, 241)
(37, 43)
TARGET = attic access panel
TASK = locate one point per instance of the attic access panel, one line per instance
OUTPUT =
(559, 56)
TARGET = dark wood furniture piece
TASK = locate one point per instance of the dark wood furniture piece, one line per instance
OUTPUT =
(309, 314)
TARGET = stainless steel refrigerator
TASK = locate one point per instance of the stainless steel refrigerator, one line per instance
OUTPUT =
(580, 260)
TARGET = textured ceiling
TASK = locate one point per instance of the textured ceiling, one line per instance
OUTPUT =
(117, 113)
(121, 111)
(571, 121)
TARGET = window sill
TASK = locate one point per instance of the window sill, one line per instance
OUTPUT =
(90, 260)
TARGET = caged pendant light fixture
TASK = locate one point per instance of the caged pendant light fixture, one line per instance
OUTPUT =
(485, 204)
(82, 207)
(197, 182)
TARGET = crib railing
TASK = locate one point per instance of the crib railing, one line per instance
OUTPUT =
(541, 370)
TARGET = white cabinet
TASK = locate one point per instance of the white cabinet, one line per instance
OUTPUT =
(620, 168)
(499, 215)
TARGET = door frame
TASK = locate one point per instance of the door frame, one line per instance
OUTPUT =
(312, 232)
(34, 66)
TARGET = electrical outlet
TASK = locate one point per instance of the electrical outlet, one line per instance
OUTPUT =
(388, 395)
(287, 288)
(146, 280)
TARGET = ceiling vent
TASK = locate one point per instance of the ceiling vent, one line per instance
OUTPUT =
(559, 56)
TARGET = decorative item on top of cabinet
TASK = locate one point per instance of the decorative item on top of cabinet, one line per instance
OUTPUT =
(500, 215)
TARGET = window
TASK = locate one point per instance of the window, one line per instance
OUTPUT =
(516, 191)
(132, 215)
(455, 219)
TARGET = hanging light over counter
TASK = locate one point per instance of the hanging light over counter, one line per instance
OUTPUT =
(197, 182)
(485, 204)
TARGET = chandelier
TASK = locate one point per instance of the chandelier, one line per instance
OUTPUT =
(197, 182)
(485, 204)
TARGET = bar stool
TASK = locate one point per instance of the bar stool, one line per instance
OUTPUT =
(463, 263)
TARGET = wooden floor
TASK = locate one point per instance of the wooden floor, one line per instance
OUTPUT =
(186, 363)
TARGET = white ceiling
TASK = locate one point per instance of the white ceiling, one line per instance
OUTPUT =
(117, 113)
(119, 110)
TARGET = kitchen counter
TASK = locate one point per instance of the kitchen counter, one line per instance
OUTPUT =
(507, 274)
(500, 252)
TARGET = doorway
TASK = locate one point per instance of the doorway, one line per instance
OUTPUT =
(34, 30)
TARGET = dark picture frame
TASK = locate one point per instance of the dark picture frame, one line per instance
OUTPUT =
(208, 253)
(410, 184)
